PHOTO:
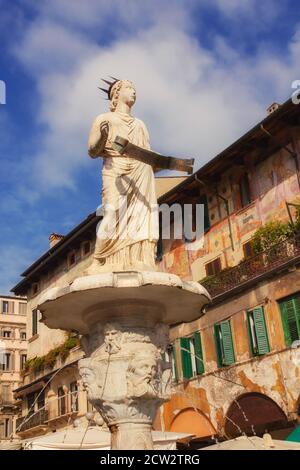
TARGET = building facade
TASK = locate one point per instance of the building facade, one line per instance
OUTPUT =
(13, 355)
(237, 368)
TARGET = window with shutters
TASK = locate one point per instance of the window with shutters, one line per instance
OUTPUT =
(170, 356)
(8, 306)
(245, 193)
(6, 361)
(257, 330)
(34, 322)
(214, 267)
(224, 344)
(290, 315)
(22, 308)
(191, 356)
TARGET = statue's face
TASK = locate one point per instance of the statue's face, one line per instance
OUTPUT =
(127, 94)
(145, 369)
(112, 340)
(87, 377)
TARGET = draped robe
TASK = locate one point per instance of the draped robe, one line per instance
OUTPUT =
(128, 232)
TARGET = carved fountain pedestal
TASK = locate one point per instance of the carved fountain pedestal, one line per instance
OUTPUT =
(124, 320)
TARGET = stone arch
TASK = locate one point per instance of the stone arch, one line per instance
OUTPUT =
(253, 412)
(192, 421)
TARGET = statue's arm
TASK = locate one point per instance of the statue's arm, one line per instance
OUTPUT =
(98, 137)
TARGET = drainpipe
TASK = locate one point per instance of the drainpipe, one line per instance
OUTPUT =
(293, 154)
(226, 207)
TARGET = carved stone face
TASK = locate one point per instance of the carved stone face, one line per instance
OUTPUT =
(89, 379)
(143, 369)
(127, 93)
(112, 338)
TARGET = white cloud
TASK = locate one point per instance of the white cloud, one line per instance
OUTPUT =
(194, 101)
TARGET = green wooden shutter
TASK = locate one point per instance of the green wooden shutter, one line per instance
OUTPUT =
(290, 314)
(185, 347)
(227, 343)
(261, 330)
(198, 353)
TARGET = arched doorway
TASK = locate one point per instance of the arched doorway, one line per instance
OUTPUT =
(192, 421)
(254, 412)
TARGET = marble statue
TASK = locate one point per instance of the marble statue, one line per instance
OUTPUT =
(128, 233)
(122, 307)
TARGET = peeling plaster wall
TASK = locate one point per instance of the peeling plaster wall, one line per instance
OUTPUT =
(276, 375)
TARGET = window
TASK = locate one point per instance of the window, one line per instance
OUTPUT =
(7, 334)
(245, 194)
(40, 397)
(61, 401)
(248, 250)
(7, 428)
(7, 306)
(191, 356)
(257, 330)
(23, 335)
(34, 322)
(86, 248)
(290, 315)
(74, 396)
(224, 344)
(6, 361)
(71, 258)
(6, 393)
(23, 359)
(22, 308)
(35, 288)
(214, 267)
(30, 401)
(171, 358)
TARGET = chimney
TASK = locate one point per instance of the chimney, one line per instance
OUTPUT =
(54, 238)
(272, 108)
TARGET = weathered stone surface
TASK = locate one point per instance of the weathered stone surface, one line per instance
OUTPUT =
(124, 318)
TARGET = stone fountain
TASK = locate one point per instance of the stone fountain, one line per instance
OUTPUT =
(122, 306)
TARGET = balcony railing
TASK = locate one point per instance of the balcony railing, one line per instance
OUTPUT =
(279, 255)
(38, 418)
(63, 406)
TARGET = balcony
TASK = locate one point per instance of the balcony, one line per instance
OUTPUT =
(63, 408)
(39, 418)
(231, 280)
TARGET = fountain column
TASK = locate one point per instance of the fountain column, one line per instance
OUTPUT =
(124, 320)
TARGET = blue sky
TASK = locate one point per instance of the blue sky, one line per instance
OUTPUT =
(205, 72)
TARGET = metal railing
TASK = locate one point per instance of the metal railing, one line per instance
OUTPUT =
(63, 405)
(38, 418)
(249, 269)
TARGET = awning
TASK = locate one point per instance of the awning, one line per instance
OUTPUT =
(254, 443)
(96, 439)
(294, 436)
